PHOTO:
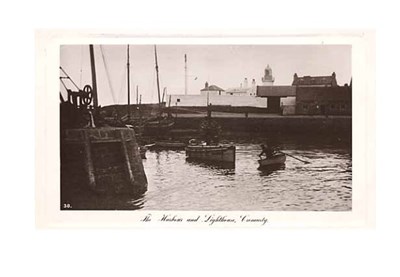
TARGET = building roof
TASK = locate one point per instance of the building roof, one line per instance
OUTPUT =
(238, 90)
(282, 91)
(315, 80)
(212, 88)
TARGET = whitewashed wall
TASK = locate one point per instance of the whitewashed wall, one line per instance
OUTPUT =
(211, 92)
(232, 100)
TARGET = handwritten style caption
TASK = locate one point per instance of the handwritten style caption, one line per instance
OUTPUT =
(211, 220)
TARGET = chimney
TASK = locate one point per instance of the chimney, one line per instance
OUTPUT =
(206, 85)
(253, 87)
(334, 82)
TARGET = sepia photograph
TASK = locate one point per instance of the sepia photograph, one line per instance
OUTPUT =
(206, 127)
(211, 138)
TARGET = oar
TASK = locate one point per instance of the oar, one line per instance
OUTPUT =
(294, 157)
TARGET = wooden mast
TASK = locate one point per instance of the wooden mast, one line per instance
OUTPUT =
(94, 83)
(137, 94)
(158, 81)
(164, 94)
(129, 87)
(186, 76)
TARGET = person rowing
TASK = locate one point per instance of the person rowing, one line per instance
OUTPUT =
(267, 151)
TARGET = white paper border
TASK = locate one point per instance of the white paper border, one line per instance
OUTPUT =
(48, 214)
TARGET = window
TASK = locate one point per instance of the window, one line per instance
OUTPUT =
(178, 100)
(305, 107)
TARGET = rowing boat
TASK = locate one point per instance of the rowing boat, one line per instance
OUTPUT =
(214, 153)
(279, 158)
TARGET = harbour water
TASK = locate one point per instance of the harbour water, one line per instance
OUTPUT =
(324, 184)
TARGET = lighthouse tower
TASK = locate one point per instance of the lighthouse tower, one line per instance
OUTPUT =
(268, 79)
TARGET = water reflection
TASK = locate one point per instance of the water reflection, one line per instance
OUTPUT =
(212, 165)
(175, 183)
(269, 169)
(89, 200)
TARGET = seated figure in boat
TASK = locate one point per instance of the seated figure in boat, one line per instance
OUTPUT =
(267, 151)
(210, 131)
(194, 142)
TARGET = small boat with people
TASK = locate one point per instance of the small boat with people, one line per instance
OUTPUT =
(276, 159)
(272, 157)
(213, 153)
(210, 150)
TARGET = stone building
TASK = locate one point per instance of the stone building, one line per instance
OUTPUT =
(335, 100)
(309, 95)
(315, 81)
(211, 90)
(321, 95)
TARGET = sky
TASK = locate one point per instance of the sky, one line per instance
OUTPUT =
(223, 65)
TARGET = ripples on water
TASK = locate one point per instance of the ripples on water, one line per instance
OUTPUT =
(325, 184)
(322, 185)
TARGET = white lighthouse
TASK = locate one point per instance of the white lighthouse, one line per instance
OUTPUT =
(268, 79)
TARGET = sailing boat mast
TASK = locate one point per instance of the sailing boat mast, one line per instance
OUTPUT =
(158, 81)
(164, 94)
(129, 92)
(186, 77)
(137, 94)
(94, 83)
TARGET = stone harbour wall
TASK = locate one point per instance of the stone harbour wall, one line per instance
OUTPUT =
(104, 160)
(280, 124)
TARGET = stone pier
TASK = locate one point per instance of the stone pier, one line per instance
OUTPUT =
(104, 160)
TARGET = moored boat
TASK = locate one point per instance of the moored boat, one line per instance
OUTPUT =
(276, 159)
(158, 126)
(214, 153)
(174, 145)
(161, 124)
